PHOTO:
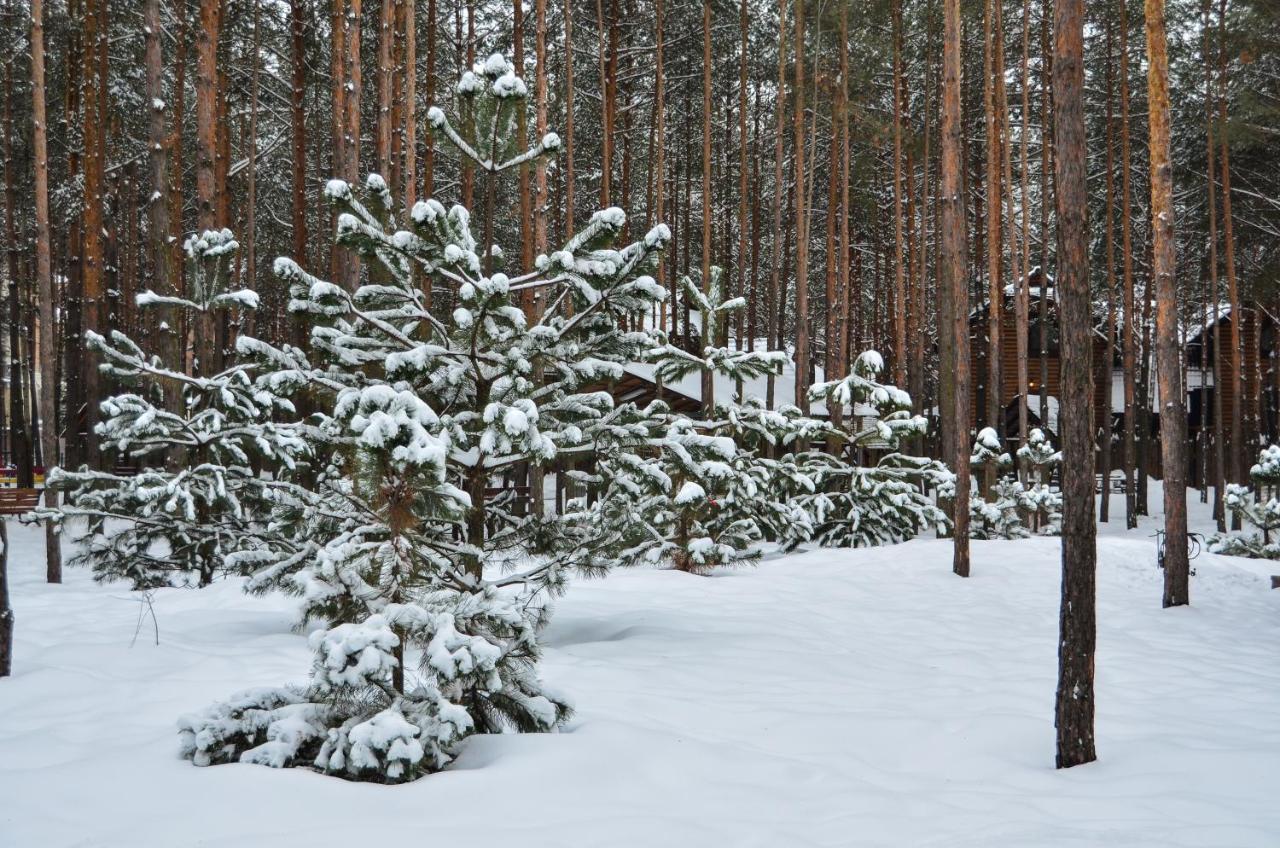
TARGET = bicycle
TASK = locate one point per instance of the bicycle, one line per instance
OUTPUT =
(1194, 543)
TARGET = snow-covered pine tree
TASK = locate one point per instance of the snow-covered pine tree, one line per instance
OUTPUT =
(1000, 517)
(1259, 509)
(200, 440)
(1040, 500)
(404, 541)
(995, 515)
(988, 454)
(854, 505)
(695, 492)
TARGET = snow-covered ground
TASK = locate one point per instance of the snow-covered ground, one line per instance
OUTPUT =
(830, 698)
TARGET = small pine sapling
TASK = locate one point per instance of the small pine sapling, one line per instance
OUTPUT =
(1258, 507)
(888, 502)
(403, 538)
(1040, 500)
(200, 440)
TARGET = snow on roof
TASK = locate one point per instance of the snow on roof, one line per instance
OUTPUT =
(1033, 407)
(784, 385)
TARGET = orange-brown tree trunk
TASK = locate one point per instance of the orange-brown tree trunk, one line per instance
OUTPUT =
(1173, 416)
(1077, 625)
(953, 277)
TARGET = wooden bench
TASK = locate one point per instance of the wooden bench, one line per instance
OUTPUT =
(1117, 484)
(18, 501)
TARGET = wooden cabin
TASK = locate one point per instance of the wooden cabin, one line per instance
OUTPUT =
(1052, 365)
(1259, 408)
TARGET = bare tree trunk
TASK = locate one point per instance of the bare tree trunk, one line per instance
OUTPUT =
(772, 313)
(93, 302)
(1046, 202)
(1173, 415)
(1104, 508)
(605, 57)
(410, 100)
(351, 72)
(177, 195)
(842, 100)
(539, 211)
(1129, 336)
(1077, 626)
(6, 612)
(47, 344)
(386, 69)
(208, 201)
(207, 113)
(743, 172)
(953, 276)
(251, 177)
(660, 162)
(899, 278)
(297, 103)
(164, 267)
(72, 321)
(429, 157)
(19, 441)
(995, 296)
(1017, 275)
(1212, 334)
(1024, 285)
(522, 143)
(802, 223)
(708, 387)
(1237, 461)
(568, 119)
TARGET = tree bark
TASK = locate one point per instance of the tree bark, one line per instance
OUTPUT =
(386, 69)
(47, 345)
(1237, 462)
(772, 313)
(743, 171)
(6, 612)
(842, 101)
(1104, 508)
(802, 223)
(995, 244)
(953, 276)
(163, 260)
(1129, 335)
(568, 119)
(708, 387)
(207, 113)
(1173, 415)
(298, 119)
(899, 271)
(351, 72)
(660, 162)
(1077, 627)
(93, 300)
(409, 130)
(1212, 334)
(19, 438)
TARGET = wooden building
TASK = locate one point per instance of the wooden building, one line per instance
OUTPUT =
(1050, 366)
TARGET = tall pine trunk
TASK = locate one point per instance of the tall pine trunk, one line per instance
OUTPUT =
(1173, 416)
(93, 302)
(298, 121)
(1104, 508)
(46, 345)
(1077, 626)
(1130, 338)
(802, 223)
(952, 276)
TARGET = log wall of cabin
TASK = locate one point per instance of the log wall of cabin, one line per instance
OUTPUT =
(1009, 371)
